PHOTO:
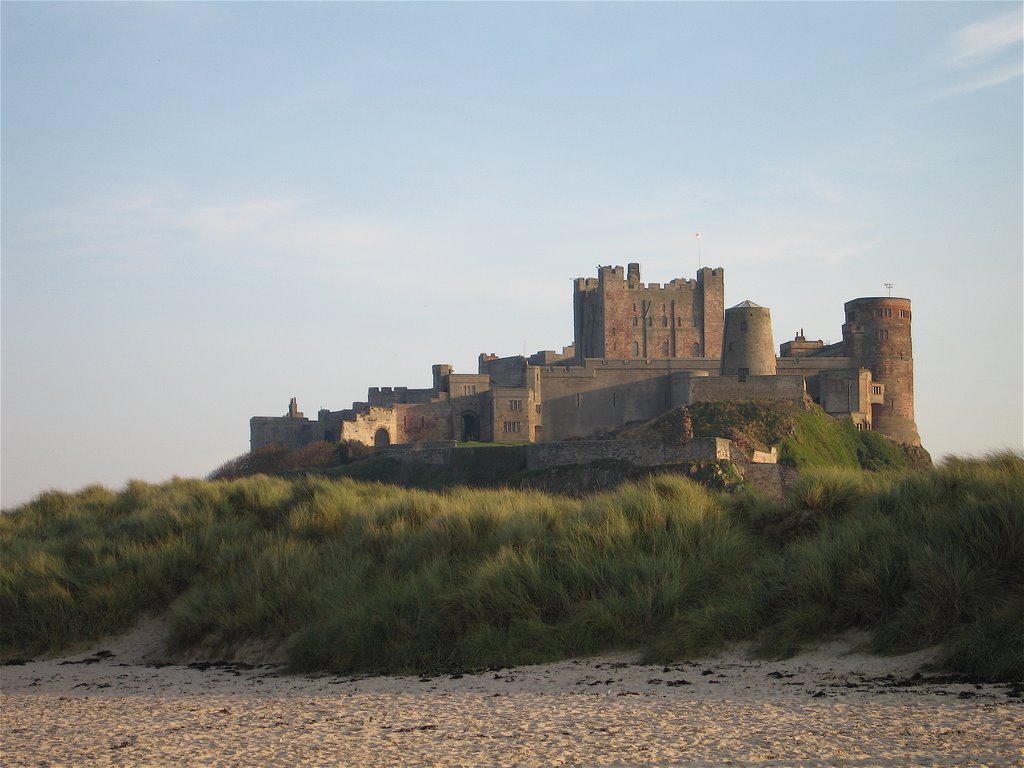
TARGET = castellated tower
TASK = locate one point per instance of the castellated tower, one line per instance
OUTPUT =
(619, 317)
(747, 345)
(876, 336)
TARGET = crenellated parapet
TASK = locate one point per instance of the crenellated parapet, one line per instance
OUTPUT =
(615, 278)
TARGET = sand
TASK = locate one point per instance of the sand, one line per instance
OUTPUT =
(115, 704)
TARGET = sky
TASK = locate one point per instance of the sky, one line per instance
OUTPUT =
(208, 209)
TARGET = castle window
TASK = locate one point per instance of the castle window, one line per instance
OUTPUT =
(513, 426)
(732, 346)
(679, 322)
(883, 335)
(635, 321)
(888, 312)
(742, 374)
(469, 389)
(664, 322)
(696, 349)
(743, 325)
(515, 405)
(664, 349)
(696, 322)
(876, 389)
(636, 349)
(905, 314)
(650, 322)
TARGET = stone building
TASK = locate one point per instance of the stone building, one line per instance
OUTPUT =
(638, 351)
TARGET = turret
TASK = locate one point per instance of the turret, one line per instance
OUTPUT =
(747, 345)
(876, 335)
(441, 373)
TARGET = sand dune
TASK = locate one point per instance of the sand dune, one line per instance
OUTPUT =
(117, 704)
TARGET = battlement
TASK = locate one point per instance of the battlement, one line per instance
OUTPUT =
(618, 279)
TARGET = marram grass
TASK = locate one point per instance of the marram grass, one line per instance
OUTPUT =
(360, 577)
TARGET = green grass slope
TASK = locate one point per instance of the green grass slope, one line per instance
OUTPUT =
(364, 577)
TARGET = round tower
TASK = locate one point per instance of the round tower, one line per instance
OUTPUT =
(876, 336)
(747, 344)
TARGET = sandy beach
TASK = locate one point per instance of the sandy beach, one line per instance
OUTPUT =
(118, 703)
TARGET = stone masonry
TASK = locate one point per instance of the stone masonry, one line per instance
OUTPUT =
(639, 350)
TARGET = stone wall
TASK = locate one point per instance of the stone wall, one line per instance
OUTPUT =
(433, 454)
(725, 388)
(639, 452)
(285, 431)
(427, 422)
(367, 427)
(602, 396)
(772, 480)
(701, 449)
(649, 452)
(619, 317)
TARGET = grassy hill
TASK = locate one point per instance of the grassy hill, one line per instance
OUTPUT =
(804, 435)
(362, 577)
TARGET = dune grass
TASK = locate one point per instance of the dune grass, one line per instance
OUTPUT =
(361, 577)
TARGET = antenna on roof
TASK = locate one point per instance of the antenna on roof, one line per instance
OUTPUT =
(889, 286)
(698, 250)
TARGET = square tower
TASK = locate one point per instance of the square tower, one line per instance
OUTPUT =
(617, 317)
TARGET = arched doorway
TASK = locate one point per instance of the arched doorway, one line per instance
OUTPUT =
(381, 438)
(470, 427)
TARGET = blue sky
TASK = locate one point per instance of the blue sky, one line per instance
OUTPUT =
(210, 208)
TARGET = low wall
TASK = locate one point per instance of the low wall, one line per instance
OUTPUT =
(772, 480)
(700, 449)
(434, 454)
(648, 452)
(765, 457)
(639, 452)
(726, 388)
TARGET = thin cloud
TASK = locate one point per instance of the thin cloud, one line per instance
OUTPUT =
(130, 234)
(985, 80)
(981, 40)
(980, 55)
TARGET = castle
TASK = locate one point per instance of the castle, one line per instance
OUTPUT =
(638, 350)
